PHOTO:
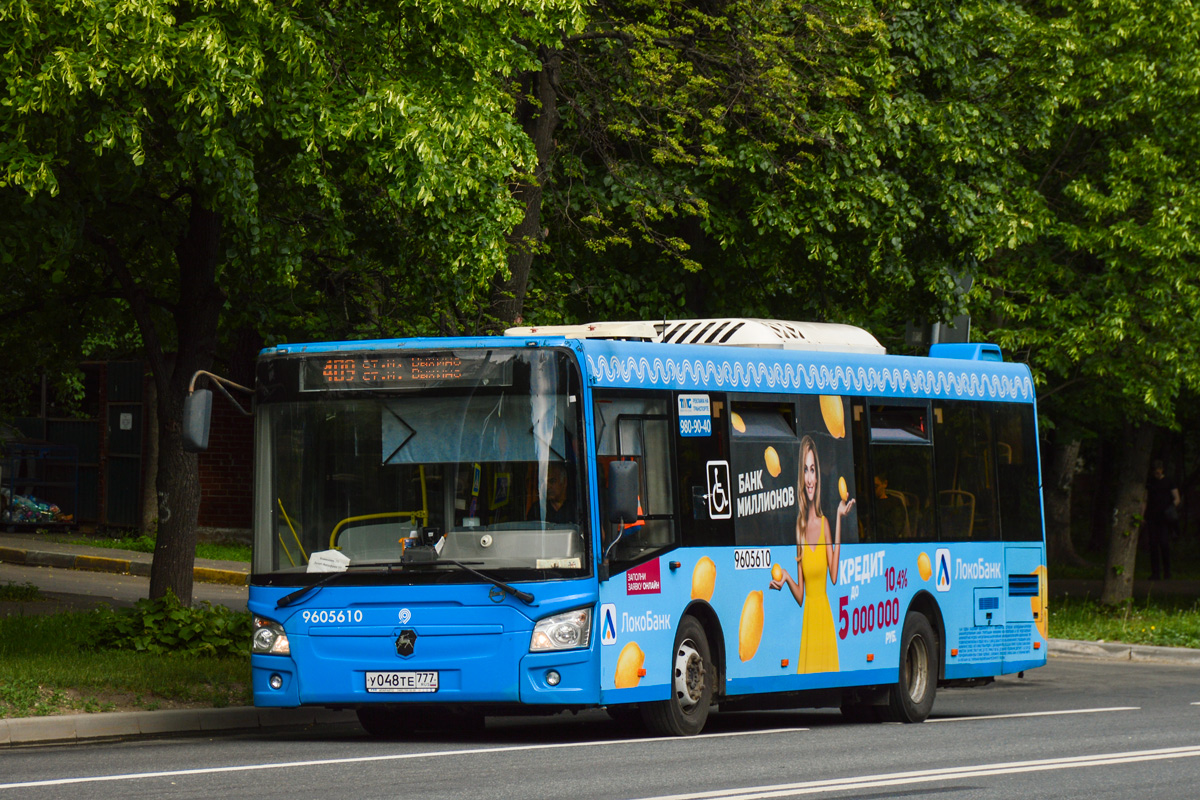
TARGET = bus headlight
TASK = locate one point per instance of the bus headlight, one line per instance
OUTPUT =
(269, 637)
(563, 631)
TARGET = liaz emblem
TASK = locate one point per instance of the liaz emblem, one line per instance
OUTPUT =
(406, 642)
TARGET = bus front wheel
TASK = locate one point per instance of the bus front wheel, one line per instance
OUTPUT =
(692, 677)
(911, 698)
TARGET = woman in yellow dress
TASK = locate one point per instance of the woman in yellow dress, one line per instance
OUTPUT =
(816, 557)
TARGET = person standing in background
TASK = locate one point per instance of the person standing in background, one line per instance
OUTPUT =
(1161, 513)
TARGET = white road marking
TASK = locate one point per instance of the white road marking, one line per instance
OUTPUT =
(933, 775)
(1038, 714)
(133, 776)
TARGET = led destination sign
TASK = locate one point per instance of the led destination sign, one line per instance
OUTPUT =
(369, 371)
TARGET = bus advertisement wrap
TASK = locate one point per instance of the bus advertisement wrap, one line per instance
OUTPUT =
(650, 517)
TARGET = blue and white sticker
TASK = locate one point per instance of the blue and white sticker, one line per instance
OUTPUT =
(695, 415)
(720, 491)
(941, 569)
(608, 623)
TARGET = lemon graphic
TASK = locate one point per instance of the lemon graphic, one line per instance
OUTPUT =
(772, 459)
(842, 490)
(1041, 613)
(924, 567)
(776, 572)
(629, 663)
(704, 578)
(750, 630)
(738, 424)
(833, 414)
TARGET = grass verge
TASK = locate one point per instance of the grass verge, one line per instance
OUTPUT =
(1161, 622)
(220, 551)
(19, 591)
(49, 664)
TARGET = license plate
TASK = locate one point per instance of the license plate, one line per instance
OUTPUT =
(425, 681)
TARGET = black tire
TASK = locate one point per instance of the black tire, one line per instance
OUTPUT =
(692, 681)
(911, 698)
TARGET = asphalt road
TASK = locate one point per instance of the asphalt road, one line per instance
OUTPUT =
(71, 588)
(1074, 729)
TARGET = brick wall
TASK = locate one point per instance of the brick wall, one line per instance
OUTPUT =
(226, 469)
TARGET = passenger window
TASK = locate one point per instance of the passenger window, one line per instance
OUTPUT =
(699, 525)
(765, 469)
(638, 429)
(1017, 473)
(966, 497)
(866, 501)
(902, 473)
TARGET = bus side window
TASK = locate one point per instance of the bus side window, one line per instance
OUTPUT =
(965, 474)
(697, 527)
(865, 504)
(1017, 473)
(902, 473)
(639, 428)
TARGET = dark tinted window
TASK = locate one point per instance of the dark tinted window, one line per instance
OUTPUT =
(1017, 473)
(902, 473)
(966, 480)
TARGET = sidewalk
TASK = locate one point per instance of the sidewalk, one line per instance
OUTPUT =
(34, 551)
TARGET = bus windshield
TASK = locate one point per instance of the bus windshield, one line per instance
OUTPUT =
(483, 464)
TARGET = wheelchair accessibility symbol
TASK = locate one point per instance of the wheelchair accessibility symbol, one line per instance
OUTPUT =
(720, 501)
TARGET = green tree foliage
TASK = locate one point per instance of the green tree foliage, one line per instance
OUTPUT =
(1106, 298)
(1104, 301)
(205, 166)
(827, 161)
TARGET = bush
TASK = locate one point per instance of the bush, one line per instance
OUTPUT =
(165, 626)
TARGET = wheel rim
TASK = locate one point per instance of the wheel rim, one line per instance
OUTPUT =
(689, 675)
(916, 669)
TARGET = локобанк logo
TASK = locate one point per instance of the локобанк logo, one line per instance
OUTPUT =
(608, 623)
(941, 569)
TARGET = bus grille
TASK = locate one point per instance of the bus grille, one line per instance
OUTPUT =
(1022, 585)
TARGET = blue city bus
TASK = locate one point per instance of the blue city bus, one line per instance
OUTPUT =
(656, 518)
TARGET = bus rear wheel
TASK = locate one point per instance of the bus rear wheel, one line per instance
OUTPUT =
(692, 678)
(911, 698)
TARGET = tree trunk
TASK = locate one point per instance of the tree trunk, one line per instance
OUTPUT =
(178, 506)
(150, 481)
(1060, 549)
(1133, 462)
(197, 315)
(537, 112)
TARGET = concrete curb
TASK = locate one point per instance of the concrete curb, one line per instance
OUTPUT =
(123, 566)
(121, 724)
(1118, 651)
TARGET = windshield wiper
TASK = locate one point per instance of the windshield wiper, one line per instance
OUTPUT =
(428, 556)
(524, 597)
(289, 599)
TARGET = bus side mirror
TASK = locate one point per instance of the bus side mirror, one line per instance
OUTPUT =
(197, 415)
(624, 485)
